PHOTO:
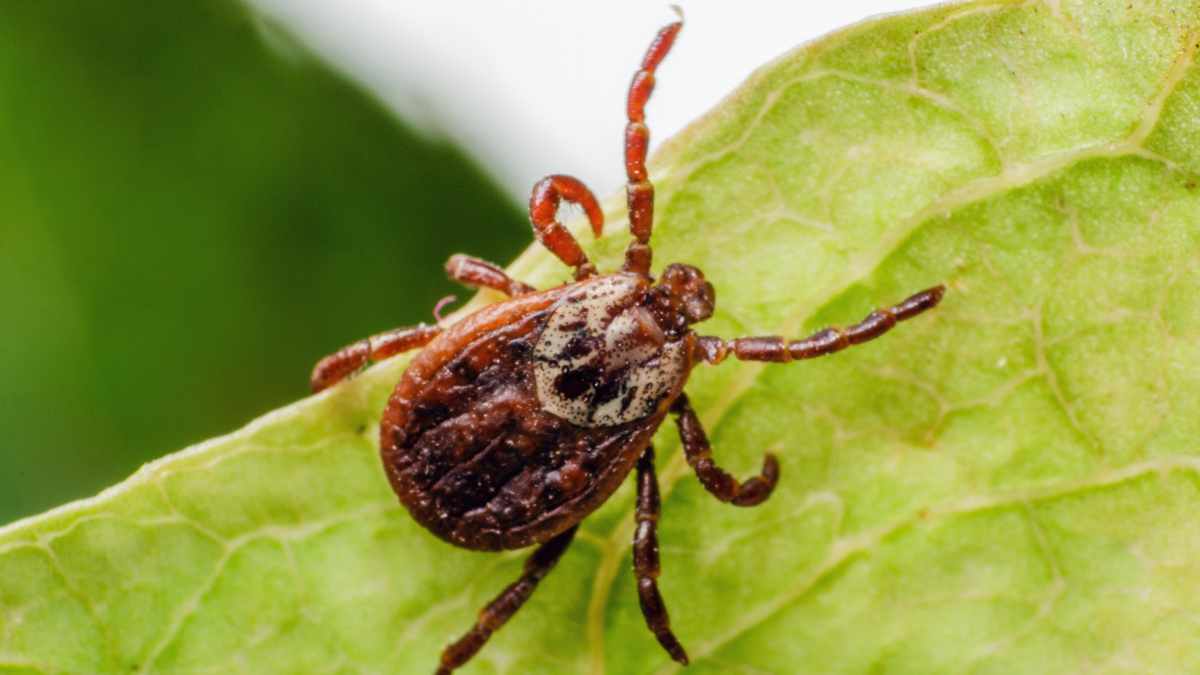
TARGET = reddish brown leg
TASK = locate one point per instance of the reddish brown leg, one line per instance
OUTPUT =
(639, 191)
(548, 194)
(645, 557)
(779, 350)
(338, 365)
(500, 610)
(478, 273)
(715, 479)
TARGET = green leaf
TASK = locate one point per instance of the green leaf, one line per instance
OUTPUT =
(1007, 484)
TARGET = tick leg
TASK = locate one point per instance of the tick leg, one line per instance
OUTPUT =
(548, 194)
(780, 350)
(500, 610)
(715, 479)
(639, 192)
(478, 273)
(645, 558)
(338, 365)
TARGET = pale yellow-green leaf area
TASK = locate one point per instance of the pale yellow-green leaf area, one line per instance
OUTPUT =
(1007, 484)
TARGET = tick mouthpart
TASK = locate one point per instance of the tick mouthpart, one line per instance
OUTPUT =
(697, 297)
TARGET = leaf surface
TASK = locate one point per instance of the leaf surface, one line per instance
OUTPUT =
(1006, 484)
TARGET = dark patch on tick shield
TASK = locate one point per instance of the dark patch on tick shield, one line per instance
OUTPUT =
(572, 384)
(581, 347)
(628, 399)
(608, 386)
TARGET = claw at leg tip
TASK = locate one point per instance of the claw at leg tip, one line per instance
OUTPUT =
(937, 293)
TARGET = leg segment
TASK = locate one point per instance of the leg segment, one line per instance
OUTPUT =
(478, 273)
(338, 365)
(715, 479)
(645, 558)
(543, 213)
(639, 191)
(828, 341)
(500, 610)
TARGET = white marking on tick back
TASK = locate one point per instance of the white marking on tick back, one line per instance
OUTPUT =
(621, 334)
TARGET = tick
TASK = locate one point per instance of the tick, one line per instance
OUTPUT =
(515, 423)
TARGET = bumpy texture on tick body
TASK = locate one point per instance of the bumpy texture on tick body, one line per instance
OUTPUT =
(514, 424)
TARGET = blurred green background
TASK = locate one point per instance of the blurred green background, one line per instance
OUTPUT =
(190, 218)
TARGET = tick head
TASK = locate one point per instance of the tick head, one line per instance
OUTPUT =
(696, 297)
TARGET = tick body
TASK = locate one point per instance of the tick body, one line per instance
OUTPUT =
(482, 444)
(515, 423)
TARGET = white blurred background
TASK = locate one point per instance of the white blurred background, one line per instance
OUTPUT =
(537, 87)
